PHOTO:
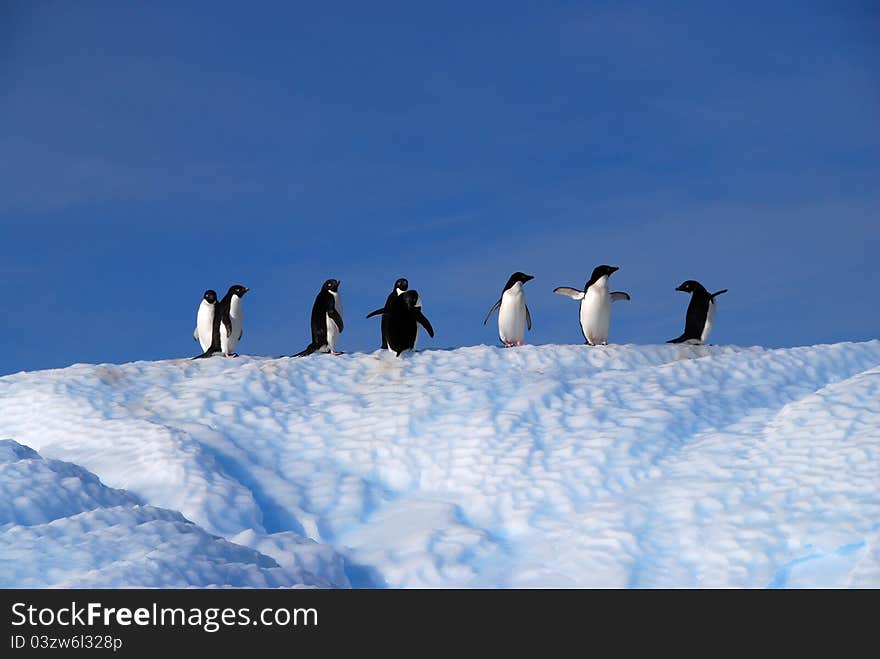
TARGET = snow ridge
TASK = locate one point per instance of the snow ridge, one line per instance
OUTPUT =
(639, 466)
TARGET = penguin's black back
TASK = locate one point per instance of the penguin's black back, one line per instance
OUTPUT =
(384, 328)
(324, 302)
(697, 312)
(403, 320)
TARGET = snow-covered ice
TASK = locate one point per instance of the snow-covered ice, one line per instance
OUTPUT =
(541, 466)
(61, 527)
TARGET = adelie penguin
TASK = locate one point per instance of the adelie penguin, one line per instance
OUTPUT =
(326, 320)
(513, 312)
(204, 330)
(227, 326)
(404, 317)
(595, 299)
(400, 286)
(700, 313)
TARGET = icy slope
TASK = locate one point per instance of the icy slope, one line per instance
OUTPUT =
(537, 466)
(61, 527)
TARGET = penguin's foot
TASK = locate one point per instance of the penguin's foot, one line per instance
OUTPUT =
(519, 344)
(508, 345)
(232, 354)
(604, 343)
(336, 354)
(590, 343)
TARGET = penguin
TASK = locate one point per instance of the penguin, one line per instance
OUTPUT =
(326, 320)
(232, 318)
(227, 326)
(700, 313)
(404, 317)
(513, 312)
(400, 286)
(205, 319)
(595, 312)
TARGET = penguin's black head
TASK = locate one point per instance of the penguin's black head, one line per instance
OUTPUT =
(409, 299)
(600, 271)
(401, 284)
(331, 285)
(518, 278)
(690, 286)
(603, 270)
(238, 290)
(210, 296)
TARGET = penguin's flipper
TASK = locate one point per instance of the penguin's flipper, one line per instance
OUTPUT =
(528, 318)
(721, 292)
(240, 334)
(336, 318)
(619, 295)
(228, 325)
(308, 351)
(492, 310)
(377, 312)
(573, 293)
(425, 323)
(196, 334)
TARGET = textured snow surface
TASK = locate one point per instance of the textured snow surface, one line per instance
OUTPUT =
(61, 527)
(643, 466)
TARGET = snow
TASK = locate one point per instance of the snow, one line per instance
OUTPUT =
(541, 466)
(61, 527)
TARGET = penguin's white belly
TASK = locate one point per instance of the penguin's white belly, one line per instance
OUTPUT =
(231, 343)
(418, 305)
(227, 341)
(224, 340)
(332, 328)
(231, 340)
(596, 315)
(332, 333)
(710, 320)
(205, 325)
(512, 316)
(236, 318)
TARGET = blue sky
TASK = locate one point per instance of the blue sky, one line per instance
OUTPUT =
(150, 152)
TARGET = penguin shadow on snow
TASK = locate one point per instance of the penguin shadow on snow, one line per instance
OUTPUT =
(385, 367)
(691, 351)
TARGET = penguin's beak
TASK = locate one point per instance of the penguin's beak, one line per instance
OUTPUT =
(614, 268)
(680, 287)
(529, 278)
